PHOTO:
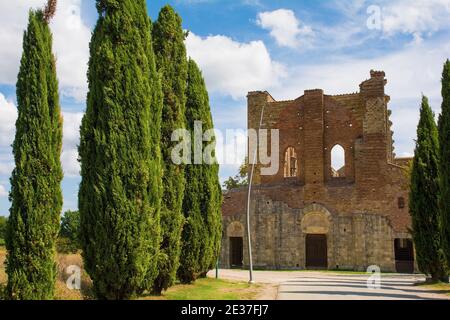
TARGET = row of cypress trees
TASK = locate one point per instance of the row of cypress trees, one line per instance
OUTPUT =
(430, 187)
(144, 220)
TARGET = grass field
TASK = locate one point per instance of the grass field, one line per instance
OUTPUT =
(203, 289)
(211, 289)
(441, 287)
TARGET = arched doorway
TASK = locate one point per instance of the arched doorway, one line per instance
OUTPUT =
(235, 234)
(315, 227)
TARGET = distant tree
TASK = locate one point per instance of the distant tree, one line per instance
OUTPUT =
(69, 233)
(171, 60)
(239, 180)
(202, 198)
(36, 195)
(119, 197)
(444, 169)
(424, 196)
(70, 225)
(3, 222)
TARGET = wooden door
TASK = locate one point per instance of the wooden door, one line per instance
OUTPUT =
(316, 251)
(404, 255)
(236, 251)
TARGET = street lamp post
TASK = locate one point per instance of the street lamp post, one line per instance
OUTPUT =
(250, 257)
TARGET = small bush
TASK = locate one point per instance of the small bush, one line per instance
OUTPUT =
(66, 246)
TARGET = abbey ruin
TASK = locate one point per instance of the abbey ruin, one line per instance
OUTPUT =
(310, 214)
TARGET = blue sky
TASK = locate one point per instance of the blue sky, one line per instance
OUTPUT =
(284, 47)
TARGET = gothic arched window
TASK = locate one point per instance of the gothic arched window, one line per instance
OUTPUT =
(338, 162)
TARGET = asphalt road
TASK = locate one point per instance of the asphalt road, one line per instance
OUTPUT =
(338, 286)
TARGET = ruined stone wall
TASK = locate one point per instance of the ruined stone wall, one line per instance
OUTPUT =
(362, 208)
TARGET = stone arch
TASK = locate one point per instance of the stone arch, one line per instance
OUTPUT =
(316, 220)
(235, 229)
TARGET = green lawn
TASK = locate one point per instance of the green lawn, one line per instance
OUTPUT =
(441, 287)
(212, 289)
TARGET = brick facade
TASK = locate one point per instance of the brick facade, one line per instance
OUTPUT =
(359, 209)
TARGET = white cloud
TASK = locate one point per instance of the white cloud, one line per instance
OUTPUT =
(231, 147)
(420, 16)
(3, 192)
(71, 166)
(71, 137)
(69, 156)
(410, 72)
(234, 68)
(71, 43)
(72, 122)
(284, 27)
(8, 116)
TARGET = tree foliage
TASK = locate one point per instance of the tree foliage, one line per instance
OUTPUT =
(69, 234)
(36, 196)
(239, 180)
(444, 172)
(119, 197)
(3, 222)
(424, 195)
(171, 62)
(202, 199)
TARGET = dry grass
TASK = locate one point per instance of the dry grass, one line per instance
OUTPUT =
(62, 292)
(2, 268)
(203, 289)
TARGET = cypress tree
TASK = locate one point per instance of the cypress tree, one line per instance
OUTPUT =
(424, 196)
(171, 61)
(119, 197)
(444, 173)
(212, 192)
(201, 205)
(36, 196)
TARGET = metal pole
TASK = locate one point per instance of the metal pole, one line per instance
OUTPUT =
(248, 222)
(250, 257)
(217, 269)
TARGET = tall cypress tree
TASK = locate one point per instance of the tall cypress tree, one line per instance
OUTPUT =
(201, 205)
(119, 198)
(36, 195)
(424, 196)
(211, 202)
(444, 173)
(171, 61)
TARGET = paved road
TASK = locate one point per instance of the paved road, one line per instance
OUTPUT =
(337, 286)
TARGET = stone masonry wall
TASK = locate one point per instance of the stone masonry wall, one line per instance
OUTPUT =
(359, 213)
